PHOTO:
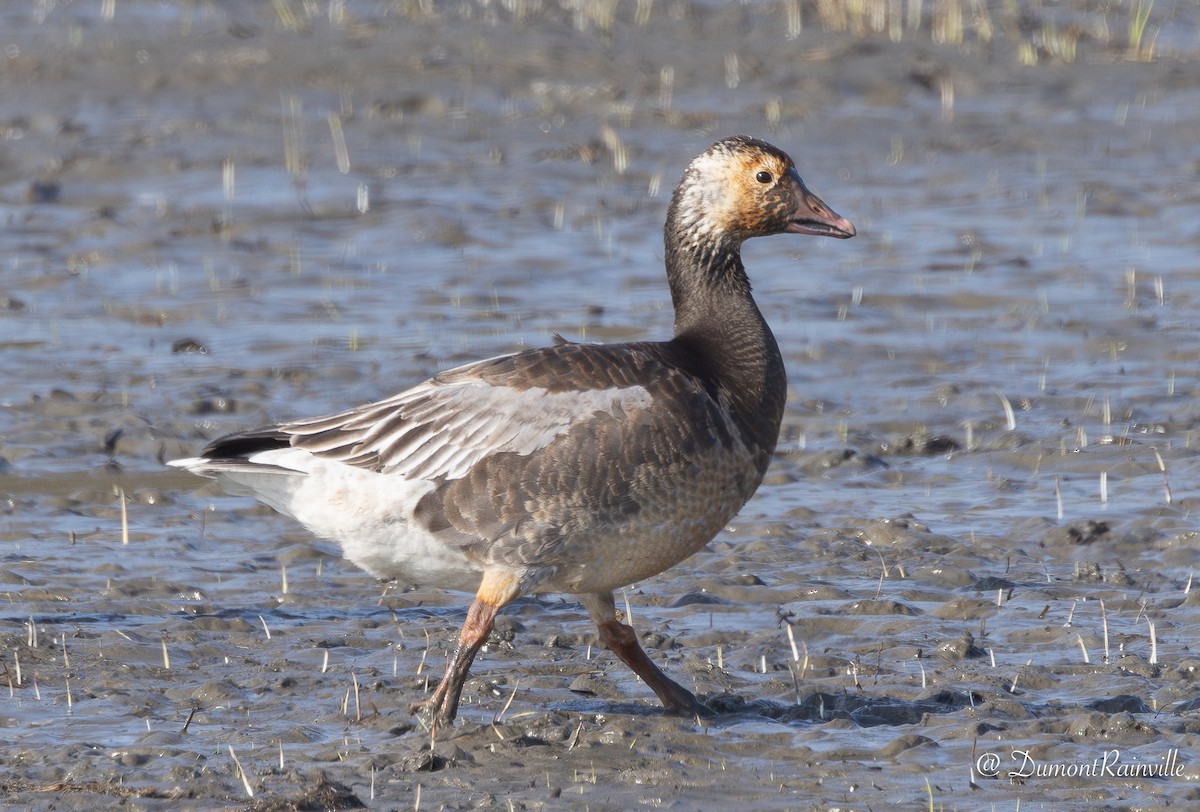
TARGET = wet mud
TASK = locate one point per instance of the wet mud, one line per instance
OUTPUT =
(968, 580)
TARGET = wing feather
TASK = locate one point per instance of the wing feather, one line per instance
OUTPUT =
(516, 404)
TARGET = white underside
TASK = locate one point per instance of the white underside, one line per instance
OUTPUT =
(369, 515)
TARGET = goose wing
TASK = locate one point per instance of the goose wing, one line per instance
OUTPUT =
(518, 404)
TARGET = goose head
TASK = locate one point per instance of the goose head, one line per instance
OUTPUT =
(742, 187)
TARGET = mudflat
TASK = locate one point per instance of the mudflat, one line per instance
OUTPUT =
(968, 580)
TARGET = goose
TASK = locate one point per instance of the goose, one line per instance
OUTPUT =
(574, 468)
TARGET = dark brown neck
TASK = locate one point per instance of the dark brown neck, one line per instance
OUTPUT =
(717, 320)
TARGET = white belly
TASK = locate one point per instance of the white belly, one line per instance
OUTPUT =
(369, 515)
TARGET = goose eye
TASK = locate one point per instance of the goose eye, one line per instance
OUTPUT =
(763, 177)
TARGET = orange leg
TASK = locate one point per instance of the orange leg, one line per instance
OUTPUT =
(622, 641)
(442, 706)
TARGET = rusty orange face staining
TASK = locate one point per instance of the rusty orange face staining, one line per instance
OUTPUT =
(738, 189)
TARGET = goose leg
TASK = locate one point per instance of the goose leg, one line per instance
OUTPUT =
(622, 641)
(442, 706)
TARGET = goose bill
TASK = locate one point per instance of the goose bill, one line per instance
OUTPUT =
(812, 216)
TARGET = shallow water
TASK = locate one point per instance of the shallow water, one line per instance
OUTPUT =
(184, 255)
